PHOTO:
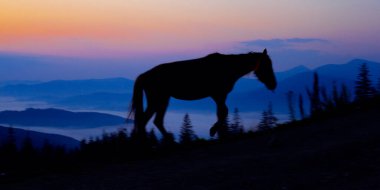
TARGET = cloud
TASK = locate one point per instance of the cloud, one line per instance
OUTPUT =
(306, 40)
(283, 43)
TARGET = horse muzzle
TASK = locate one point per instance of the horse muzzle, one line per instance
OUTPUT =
(271, 87)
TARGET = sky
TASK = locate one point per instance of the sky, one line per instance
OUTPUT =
(138, 34)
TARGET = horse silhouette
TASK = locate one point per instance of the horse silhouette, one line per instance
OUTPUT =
(211, 76)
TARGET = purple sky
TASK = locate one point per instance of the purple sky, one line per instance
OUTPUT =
(96, 39)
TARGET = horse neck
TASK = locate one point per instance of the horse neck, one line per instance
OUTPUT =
(242, 65)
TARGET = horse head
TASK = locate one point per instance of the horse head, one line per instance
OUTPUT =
(264, 71)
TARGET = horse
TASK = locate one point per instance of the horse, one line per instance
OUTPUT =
(211, 76)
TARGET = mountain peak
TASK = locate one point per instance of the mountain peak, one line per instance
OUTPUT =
(349, 69)
(299, 68)
(291, 72)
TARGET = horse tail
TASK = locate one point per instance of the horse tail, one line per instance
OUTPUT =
(136, 107)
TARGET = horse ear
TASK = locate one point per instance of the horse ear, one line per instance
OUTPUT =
(265, 51)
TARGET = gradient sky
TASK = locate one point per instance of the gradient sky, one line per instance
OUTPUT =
(332, 31)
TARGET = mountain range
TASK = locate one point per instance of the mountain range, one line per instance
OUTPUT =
(59, 118)
(298, 83)
(248, 93)
(67, 88)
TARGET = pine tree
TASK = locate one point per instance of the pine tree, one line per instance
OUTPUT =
(300, 104)
(314, 96)
(335, 95)
(120, 141)
(268, 119)
(187, 134)
(122, 136)
(263, 125)
(224, 131)
(363, 87)
(82, 145)
(272, 119)
(10, 147)
(290, 97)
(48, 149)
(27, 149)
(327, 104)
(236, 126)
(344, 97)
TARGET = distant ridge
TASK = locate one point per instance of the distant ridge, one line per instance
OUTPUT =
(65, 88)
(350, 69)
(38, 139)
(59, 118)
(291, 72)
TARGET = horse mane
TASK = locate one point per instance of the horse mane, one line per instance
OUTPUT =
(242, 54)
(213, 55)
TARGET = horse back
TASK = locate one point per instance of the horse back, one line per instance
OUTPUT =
(190, 79)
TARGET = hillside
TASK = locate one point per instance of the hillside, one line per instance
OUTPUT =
(38, 139)
(59, 118)
(336, 153)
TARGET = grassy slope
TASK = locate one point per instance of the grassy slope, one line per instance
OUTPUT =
(339, 153)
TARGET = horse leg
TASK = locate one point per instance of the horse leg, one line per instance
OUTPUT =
(222, 113)
(146, 116)
(160, 114)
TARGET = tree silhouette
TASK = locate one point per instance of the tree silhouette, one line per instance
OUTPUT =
(300, 104)
(314, 96)
(263, 125)
(10, 147)
(224, 131)
(27, 149)
(268, 120)
(187, 134)
(335, 94)
(48, 149)
(271, 117)
(236, 126)
(341, 99)
(290, 97)
(327, 103)
(122, 136)
(121, 141)
(363, 87)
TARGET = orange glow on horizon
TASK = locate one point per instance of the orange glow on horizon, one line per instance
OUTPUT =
(94, 26)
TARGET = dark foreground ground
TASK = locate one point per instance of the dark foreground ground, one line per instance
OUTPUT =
(339, 153)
